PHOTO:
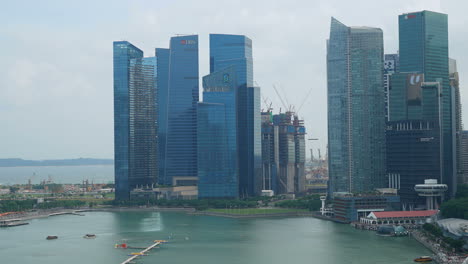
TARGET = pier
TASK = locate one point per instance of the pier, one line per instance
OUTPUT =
(142, 253)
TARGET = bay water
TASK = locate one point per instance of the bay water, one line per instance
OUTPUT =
(200, 239)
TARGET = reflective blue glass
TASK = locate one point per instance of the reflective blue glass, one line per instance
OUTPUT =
(217, 139)
(162, 78)
(423, 39)
(182, 97)
(356, 108)
(123, 53)
(143, 168)
(231, 66)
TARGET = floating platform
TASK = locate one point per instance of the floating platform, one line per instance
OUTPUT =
(143, 252)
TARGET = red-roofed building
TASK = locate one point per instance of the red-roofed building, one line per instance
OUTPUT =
(398, 217)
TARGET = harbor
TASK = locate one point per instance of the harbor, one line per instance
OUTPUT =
(205, 238)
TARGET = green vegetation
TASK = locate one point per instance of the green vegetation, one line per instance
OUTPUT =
(462, 191)
(436, 233)
(16, 205)
(253, 211)
(455, 208)
(310, 202)
(458, 207)
(23, 205)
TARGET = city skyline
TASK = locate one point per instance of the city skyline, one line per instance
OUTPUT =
(47, 74)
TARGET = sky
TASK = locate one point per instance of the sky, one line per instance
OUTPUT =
(56, 83)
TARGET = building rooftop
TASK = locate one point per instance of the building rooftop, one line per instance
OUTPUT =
(396, 214)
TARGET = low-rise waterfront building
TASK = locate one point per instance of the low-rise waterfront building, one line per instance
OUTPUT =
(399, 217)
(349, 208)
(175, 192)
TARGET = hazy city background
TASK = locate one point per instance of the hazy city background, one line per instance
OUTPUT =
(56, 68)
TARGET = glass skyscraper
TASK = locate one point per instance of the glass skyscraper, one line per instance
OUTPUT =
(162, 78)
(135, 127)
(423, 40)
(356, 108)
(217, 139)
(413, 136)
(230, 84)
(178, 102)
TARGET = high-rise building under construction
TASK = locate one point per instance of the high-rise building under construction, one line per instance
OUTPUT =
(283, 153)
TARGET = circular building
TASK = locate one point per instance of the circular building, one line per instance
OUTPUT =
(431, 190)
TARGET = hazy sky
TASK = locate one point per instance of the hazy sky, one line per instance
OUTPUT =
(56, 87)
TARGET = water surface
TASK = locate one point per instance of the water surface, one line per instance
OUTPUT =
(59, 174)
(200, 239)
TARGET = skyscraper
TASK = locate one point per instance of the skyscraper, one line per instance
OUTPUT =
(135, 126)
(455, 85)
(162, 80)
(356, 108)
(178, 107)
(423, 41)
(391, 66)
(229, 88)
(283, 153)
(413, 135)
(218, 171)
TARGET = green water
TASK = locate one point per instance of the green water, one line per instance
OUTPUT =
(199, 239)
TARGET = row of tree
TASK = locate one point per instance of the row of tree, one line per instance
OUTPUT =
(438, 234)
(24, 205)
(310, 202)
(458, 207)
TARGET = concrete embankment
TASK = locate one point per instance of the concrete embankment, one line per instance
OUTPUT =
(288, 214)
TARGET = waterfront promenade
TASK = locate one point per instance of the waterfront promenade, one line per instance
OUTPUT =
(442, 256)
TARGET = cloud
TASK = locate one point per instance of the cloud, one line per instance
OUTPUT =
(56, 70)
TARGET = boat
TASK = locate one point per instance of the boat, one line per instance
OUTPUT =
(51, 237)
(12, 223)
(423, 259)
(89, 236)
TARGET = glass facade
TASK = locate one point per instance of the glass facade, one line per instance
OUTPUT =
(249, 140)
(227, 50)
(135, 115)
(236, 51)
(180, 150)
(142, 123)
(423, 40)
(123, 53)
(413, 135)
(217, 139)
(356, 108)
(162, 78)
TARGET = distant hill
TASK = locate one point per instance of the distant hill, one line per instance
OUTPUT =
(15, 162)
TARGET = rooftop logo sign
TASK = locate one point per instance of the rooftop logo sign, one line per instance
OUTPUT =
(188, 42)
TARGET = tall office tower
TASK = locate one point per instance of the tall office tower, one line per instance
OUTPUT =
(135, 127)
(454, 85)
(423, 40)
(218, 175)
(283, 153)
(162, 80)
(464, 157)
(236, 51)
(413, 136)
(391, 66)
(270, 152)
(356, 108)
(178, 156)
